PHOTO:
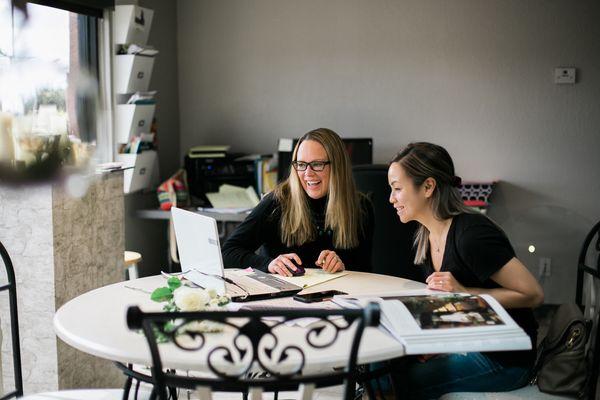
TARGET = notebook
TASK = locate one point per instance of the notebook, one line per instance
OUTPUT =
(202, 263)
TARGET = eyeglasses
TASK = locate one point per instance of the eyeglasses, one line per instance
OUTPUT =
(316, 166)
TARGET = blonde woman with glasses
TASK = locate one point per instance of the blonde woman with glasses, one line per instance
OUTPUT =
(315, 218)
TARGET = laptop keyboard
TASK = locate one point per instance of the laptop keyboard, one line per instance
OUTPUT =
(257, 282)
(251, 285)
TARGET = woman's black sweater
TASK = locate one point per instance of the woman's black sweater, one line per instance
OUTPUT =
(262, 229)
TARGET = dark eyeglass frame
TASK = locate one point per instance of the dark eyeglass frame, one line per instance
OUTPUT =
(316, 166)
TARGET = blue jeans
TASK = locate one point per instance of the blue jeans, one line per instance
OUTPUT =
(447, 373)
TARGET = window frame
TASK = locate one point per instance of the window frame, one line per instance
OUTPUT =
(92, 8)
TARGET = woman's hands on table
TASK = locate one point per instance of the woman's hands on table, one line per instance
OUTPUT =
(330, 261)
(444, 281)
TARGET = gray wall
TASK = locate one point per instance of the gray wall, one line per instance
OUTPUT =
(474, 76)
(149, 237)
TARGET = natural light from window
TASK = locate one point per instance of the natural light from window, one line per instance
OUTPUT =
(48, 97)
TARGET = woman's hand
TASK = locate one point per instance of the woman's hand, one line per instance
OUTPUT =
(330, 262)
(283, 265)
(445, 282)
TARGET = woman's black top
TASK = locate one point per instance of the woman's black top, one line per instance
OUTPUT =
(475, 249)
(262, 229)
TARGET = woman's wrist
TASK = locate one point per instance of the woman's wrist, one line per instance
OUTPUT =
(474, 290)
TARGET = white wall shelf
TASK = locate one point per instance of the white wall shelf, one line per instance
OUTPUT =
(132, 120)
(132, 24)
(141, 170)
(132, 73)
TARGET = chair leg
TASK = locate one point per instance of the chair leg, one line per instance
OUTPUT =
(137, 389)
(132, 272)
(127, 388)
(349, 389)
(173, 393)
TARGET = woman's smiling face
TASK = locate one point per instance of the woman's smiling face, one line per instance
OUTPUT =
(409, 201)
(314, 183)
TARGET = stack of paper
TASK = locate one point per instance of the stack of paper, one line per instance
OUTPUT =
(230, 196)
(142, 98)
(136, 49)
(312, 277)
(215, 151)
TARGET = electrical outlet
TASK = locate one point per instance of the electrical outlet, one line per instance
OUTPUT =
(545, 266)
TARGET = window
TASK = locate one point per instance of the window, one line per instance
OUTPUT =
(55, 47)
(51, 60)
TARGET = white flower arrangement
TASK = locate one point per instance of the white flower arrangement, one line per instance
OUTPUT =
(182, 298)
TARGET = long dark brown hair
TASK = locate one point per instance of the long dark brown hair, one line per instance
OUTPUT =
(422, 160)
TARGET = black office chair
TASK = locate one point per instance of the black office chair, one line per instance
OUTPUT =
(393, 252)
(254, 360)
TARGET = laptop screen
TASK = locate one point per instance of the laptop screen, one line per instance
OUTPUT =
(198, 246)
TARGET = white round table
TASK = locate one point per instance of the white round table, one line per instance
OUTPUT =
(95, 323)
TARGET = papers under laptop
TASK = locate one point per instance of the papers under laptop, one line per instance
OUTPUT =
(200, 256)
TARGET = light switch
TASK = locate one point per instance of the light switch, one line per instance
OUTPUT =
(564, 75)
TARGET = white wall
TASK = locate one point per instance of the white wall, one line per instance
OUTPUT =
(474, 76)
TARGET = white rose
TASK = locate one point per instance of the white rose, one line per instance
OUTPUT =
(188, 299)
(212, 293)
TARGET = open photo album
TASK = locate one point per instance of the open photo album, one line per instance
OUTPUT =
(426, 322)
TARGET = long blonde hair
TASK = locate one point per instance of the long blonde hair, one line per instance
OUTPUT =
(424, 160)
(343, 214)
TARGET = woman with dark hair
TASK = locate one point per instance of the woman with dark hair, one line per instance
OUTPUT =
(316, 217)
(460, 251)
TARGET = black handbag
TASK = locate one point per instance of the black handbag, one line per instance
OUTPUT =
(561, 365)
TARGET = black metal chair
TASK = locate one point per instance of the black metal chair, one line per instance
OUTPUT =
(11, 287)
(254, 358)
(393, 252)
(587, 297)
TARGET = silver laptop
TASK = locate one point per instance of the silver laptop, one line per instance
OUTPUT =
(202, 263)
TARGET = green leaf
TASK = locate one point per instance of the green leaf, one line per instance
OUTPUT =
(170, 306)
(162, 294)
(169, 327)
(173, 282)
(160, 335)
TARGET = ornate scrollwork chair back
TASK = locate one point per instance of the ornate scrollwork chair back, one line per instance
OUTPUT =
(251, 351)
(587, 296)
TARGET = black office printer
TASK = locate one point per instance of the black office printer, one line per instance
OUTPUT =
(208, 167)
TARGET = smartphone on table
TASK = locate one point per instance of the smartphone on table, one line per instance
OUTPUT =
(317, 296)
